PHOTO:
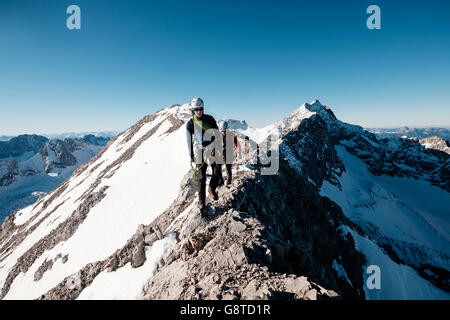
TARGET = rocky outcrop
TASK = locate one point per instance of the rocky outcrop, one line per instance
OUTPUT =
(47, 265)
(436, 143)
(8, 171)
(58, 154)
(227, 256)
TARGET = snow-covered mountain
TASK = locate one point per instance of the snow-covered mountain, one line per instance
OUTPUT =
(419, 133)
(74, 135)
(125, 224)
(21, 147)
(38, 165)
(101, 135)
(97, 140)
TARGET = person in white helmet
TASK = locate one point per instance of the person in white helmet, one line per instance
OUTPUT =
(195, 129)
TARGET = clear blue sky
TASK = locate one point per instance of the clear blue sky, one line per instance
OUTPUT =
(253, 60)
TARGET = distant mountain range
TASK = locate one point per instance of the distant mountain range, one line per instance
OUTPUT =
(105, 134)
(419, 133)
(32, 165)
(6, 138)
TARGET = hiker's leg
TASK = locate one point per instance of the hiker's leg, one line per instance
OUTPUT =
(221, 181)
(201, 183)
(229, 173)
(215, 177)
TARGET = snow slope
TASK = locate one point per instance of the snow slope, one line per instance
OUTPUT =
(139, 189)
(398, 281)
(401, 211)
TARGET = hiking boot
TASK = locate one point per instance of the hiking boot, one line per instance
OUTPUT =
(213, 194)
(202, 208)
(203, 212)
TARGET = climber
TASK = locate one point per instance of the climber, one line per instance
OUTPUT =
(197, 144)
(231, 153)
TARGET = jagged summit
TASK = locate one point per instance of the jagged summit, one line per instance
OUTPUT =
(314, 106)
(281, 127)
(125, 224)
(306, 110)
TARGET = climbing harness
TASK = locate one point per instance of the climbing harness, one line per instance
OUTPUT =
(205, 127)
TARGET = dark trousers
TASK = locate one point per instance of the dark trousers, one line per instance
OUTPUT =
(229, 175)
(201, 180)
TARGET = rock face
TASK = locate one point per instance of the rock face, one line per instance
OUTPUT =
(38, 166)
(230, 255)
(20, 145)
(99, 141)
(58, 154)
(436, 143)
(8, 170)
(401, 158)
(307, 232)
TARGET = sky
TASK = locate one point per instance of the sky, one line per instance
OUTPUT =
(252, 60)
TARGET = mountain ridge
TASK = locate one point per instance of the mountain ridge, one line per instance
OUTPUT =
(306, 239)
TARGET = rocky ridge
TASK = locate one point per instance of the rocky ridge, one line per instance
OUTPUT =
(267, 237)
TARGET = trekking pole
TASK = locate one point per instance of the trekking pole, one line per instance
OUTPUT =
(195, 169)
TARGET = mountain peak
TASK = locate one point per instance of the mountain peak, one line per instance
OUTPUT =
(315, 106)
(307, 110)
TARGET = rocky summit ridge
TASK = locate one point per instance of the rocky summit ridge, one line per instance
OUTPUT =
(114, 230)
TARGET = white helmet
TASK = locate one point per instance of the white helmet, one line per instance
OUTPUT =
(197, 102)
